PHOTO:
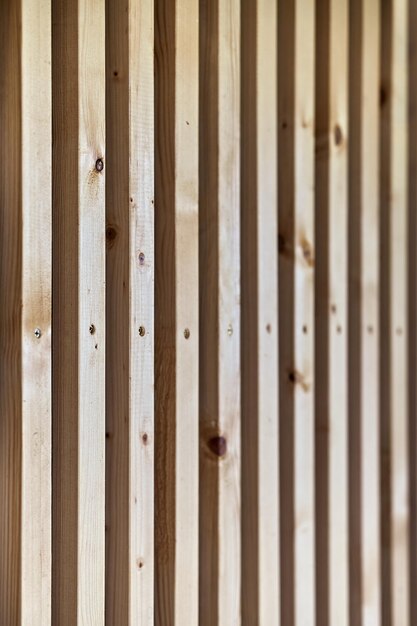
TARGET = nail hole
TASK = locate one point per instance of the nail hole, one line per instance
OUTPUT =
(141, 258)
(92, 329)
(187, 333)
(142, 331)
(338, 329)
(145, 438)
(268, 328)
(115, 74)
(305, 329)
(139, 563)
(370, 330)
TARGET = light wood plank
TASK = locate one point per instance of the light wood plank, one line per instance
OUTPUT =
(220, 322)
(36, 312)
(229, 311)
(398, 322)
(91, 307)
(267, 303)
(141, 200)
(186, 362)
(304, 495)
(369, 409)
(337, 268)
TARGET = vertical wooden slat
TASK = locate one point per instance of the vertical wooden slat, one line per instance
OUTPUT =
(331, 313)
(267, 302)
(412, 296)
(398, 319)
(79, 333)
(337, 309)
(369, 316)
(129, 365)
(303, 374)
(10, 313)
(286, 182)
(220, 321)
(91, 336)
(36, 312)
(141, 199)
(176, 307)
(118, 348)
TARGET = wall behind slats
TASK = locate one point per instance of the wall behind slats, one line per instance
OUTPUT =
(208, 347)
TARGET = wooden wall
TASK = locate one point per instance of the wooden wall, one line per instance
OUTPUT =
(208, 345)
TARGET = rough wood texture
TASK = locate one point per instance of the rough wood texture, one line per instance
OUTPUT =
(224, 217)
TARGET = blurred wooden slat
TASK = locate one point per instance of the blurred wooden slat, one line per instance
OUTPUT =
(369, 315)
(398, 319)
(302, 375)
(220, 316)
(10, 312)
(129, 364)
(79, 332)
(337, 312)
(176, 307)
(36, 312)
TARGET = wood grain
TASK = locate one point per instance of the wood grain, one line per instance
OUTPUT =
(10, 313)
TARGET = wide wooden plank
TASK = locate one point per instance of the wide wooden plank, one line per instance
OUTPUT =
(220, 321)
(176, 307)
(10, 313)
(79, 332)
(398, 319)
(36, 312)
(303, 373)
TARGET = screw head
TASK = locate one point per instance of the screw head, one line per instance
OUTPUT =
(38, 333)
(230, 330)
(187, 333)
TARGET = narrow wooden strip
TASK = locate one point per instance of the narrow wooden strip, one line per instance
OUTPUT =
(286, 182)
(10, 313)
(412, 296)
(141, 409)
(91, 307)
(176, 307)
(186, 285)
(398, 330)
(229, 311)
(267, 321)
(337, 311)
(303, 374)
(220, 316)
(369, 329)
(118, 210)
(36, 312)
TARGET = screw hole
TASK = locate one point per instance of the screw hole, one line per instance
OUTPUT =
(142, 331)
(37, 333)
(99, 165)
(92, 329)
(187, 333)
